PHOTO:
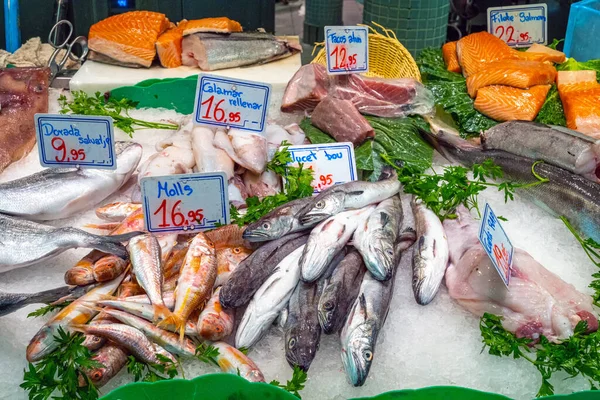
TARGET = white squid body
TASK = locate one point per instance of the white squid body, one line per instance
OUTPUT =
(208, 157)
(174, 156)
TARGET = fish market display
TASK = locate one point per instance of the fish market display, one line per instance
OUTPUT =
(57, 193)
(23, 93)
(579, 92)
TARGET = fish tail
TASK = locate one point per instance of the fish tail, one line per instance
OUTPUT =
(177, 321)
(163, 314)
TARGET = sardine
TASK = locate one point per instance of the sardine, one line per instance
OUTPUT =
(195, 282)
(430, 255)
(56, 193)
(215, 322)
(228, 259)
(24, 243)
(350, 196)
(233, 361)
(147, 267)
(113, 358)
(245, 280)
(376, 238)
(269, 300)
(340, 291)
(327, 239)
(281, 221)
(11, 302)
(43, 342)
(117, 212)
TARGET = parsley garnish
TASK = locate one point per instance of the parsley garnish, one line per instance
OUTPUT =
(207, 353)
(152, 372)
(48, 309)
(243, 350)
(294, 385)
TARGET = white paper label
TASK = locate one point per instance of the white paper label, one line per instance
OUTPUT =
(496, 244)
(519, 25)
(347, 49)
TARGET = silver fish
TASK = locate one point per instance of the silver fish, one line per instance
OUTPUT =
(11, 302)
(24, 243)
(430, 255)
(376, 238)
(278, 223)
(57, 193)
(350, 196)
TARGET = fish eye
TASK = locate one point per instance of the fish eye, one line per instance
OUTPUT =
(368, 355)
(328, 305)
(320, 204)
(97, 375)
(237, 250)
(292, 343)
(266, 226)
(389, 252)
(97, 339)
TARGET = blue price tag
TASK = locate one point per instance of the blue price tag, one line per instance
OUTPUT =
(347, 49)
(496, 244)
(332, 163)
(519, 25)
(75, 140)
(231, 103)
(189, 202)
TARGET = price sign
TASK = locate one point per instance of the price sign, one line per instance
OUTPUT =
(75, 140)
(347, 49)
(231, 103)
(331, 163)
(519, 25)
(186, 202)
(496, 244)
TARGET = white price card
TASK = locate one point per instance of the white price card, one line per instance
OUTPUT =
(75, 140)
(332, 163)
(496, 244)
(347, 49)
(519, 25)
(231, 103)
(189, 202)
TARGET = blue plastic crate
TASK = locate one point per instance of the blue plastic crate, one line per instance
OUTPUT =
(583, 30)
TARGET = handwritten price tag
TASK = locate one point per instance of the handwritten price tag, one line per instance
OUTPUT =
(75, 140)
(185, 202)
(347, 49)
(496, 244)
(332, 163)
(519, 25)
(231, 103)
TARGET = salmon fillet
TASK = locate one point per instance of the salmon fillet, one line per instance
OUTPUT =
(505, 103)
(450, 57)
(538, 52)
(129, 37)
(478, 49)
(569, 77)
(580, 94)
(218, 25)
(515, 73)
(168, 47)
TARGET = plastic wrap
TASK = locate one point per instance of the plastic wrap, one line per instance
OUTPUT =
(341, 119)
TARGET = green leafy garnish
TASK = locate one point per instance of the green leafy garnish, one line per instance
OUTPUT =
(48, 309)
(552, 112)
(99, 105)
(555, 43)
(60, 371)
(577, 355)
(294, 385)
(243, 350)
(207, 353)
(152, 372)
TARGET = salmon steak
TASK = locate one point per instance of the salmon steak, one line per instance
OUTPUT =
(217, 25)
(128, 38)
(450, 57)
(505, 103)
(477, 50)
(515, 73)
(168, 47)
(538, 52)
(580, 94)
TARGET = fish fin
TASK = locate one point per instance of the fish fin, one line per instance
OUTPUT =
(385, 219)
(161, 312)
(177, 321)
(91, 305)
(355, 193)
(106, 226)
(124, 237)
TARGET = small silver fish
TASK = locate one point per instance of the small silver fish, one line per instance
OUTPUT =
(278, 223)
(11, 302)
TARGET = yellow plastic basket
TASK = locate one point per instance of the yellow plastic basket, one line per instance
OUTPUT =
(387, 57)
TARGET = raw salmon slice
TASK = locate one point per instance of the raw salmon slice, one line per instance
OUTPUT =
(505, 103)
(218, 25)
(580, 94)
(538, 52)
(571, 77)
(128, 38)
(168, 47)
(477, 50)
(450, 57)
(515, 73)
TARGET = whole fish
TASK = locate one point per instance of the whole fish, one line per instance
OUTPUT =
(117, 212)
(571, 150)
(245, 280)
(227, 236)
(130, 338)
(215, 322)
(565, 194)
(329, 238)
(281, 221)
(24, 243)
(195, 282)
(93, 342)
(56, 193)
(349, 196)
(147, 267)
(430, 255)
(77, 312)
(340, 291)
(269, 300)
(168, 298)
(376, 238)
(233, 361)
(361, 329)
(108, 267)
(228, 259)
(11, 302)
(113, 358)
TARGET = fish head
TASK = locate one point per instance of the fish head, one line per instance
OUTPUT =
(215, 326)
(99, 376)
(233, 256)
(108, 268)
(358, 352)
(93, 342)
(327, 307)
(129, 155)
(79, 276)
(42, 343)
(381, 259)
(323, 206)
(302, 343)
(269, 228)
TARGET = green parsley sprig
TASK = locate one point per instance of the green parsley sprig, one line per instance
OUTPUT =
(296, 384)
(577, 355)
(207, 353)
(118, 110)
(40, 312)
(59, 372)
(152, 372)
